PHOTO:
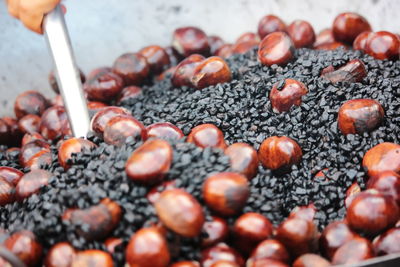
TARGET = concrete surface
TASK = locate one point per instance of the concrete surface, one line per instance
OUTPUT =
(101, 30)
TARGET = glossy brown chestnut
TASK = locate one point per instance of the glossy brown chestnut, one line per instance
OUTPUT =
(304, 212)
(207, 135)
(129, 92)
(361, 40)
(353, 251)
(287, 94)
(180, 212)
(104, 86)
(157, 58)
(27, 138)
(184, 71)
(334, 236)
(388, 243)
(185, 264)
(154, 194)
(72, 146)
(371, 213)
(147, 248)
(60, 255)
(166, 74)
(248, 36)
(279, 153)
(243, 47)
(54, 123)
(111, 243)
(324, 37)
(347, 26)
(267, 262)
(270, 249)
(39, 160)
(98, 71)
(226, 193)
(190, 40)
(31, 183)
(12, 175)
(353, 71)
(220, 252)
(215, 43)
(93, 257)
(30, 102)
(211, 71)
(224, 51)
(54, 84)
(351, 193)
(383, 45)
(302, 33)
(216, 231)
(132, 67)
(224, 263)
(358, 116)
(25, 246)
(311, 260)
(119, 128)
(103, 116)
(164, 130)
(95, 105)
(29, 123)
(382, 157)
(29, 150)
(269, 24)
(243, 159)
(7, 192)
(275, 48)
(387, 183)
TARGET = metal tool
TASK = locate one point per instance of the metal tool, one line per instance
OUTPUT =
(66, 72)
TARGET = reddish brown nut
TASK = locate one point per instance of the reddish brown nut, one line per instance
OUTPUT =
(30, 102)
(190, 40)
(72, 146)
(60, 255)
(270, 249)
(104, 86)
(111, 243)
(388, 243)
(224, 263)
(266, 262)
(132, 67)
(147, 248)
(358, 116)
(302, 33)
(226, 193)
(154, 194)
(334, 236)
(7, 192)
(103, 116)
(311, 260)
(150, 162)
(31, 137)
(330, 46)
(166, 74)
(324, 37)
(93, 257)
(164, 130)
(243, 159)
(54, 84)
(211, 71)
(95, 105)
(119, 128)
(207, 135)
(304, 212)
(185, 70)
(39, 160)
(371, 213)
(287, 94)
(54, 124)
(279, 153)
(29, 150)
(220, 252)
(347, 26)
(12, 175)
(383, 45)
(361, 40)
(31, 183)
(248, 36)
(224, 51)
(98, 71)
(387, 183)
(215, 43)
(276, 48)
(244, 47)
(129, 92)
(180, 212)
(157, 58)
(25, 246)
(353, 251)
(298, 235)
(186, 264)
(216, 231)
(382, 157)
(270, 24)
(249, 230)
(29, 123)
(353, 71)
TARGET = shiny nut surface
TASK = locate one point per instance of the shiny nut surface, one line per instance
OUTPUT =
(104, 86)
(30, 123)
(353, 71)
(92, 257)
(302, 33)
(216, 231)
(311, 260)
(347, 26)
(269, 24)
(129, 92)
(243, 159)
(60, 255)
(31, 182)
(70, 146)
(361, 40)
(382, 157)
(12, 175)
(190, 40)
(388, 243)
(25, 246)
(7, 192)
(220, 252)
(207, 135)
(54, 123)
(132, 67)
(184, 72)
(276, 48)
(103, 116)
(164, 130)
(383, 45)
(387, 183)
(156, 56)
(211, 71)
(353, 251)
(287, 94)
(30, 102)
(324, 37)
(120, 127)
(270, 249)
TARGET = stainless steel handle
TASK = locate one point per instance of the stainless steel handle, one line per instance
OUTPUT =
(66, 72)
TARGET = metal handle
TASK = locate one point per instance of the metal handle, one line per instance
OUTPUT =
(67, 73)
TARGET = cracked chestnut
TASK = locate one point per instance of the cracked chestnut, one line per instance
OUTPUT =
(388, 242)
(383, 45)
(269, 24)
(382, 157)
(132, 67)
(164, 130)
(276, 48)
(157, 58)
(207, 135)
(25, 246)
(30, 102)
(243, 159)
(190, 40)
(287, 94)
(347, 26)
(120, 127)
(353, 251)
(211, 71)
(104, 86)
(185, 70)
(302, 33)
(216, 231)
(220, 252)
(60, 255)
(103, 116)
(72, 146)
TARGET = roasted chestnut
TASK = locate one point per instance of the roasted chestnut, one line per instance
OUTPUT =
(129, 92)
(30, 102)
(302, 33)
(12, 175)
(287, 94)
(154, 194)
(353, 71)
(72, 146)
(103, 116)
(25, 246)
(270, 249)
(304, 212)
(104, 86)
(54, 123)
(98, 71)
(93, 257)
(60, 255)
(216, 231)
(190, 40)
(7, 192)
(243, 159)
(353, 251)
(164, 130)
(120, 127)
(29, 124)
(132, 67)
(311, 260)
(347, 26)
(351, 193)
(387, 183)
(29, 150)
(244, 47)
(220, 252)
(383, 45)
(207, 135)
(388, 242)
(361, 41)
(211, 71)
(269, 24)
(185, 70)
(185, 264)
(224, 51)
(157, 58)
(382, 157)
(215, 43)
(31, 137)
(275, 48)
(324, 37)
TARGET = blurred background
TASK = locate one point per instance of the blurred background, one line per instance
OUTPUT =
(102, 30)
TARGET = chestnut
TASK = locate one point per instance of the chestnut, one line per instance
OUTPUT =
(302, 33)
(164, 130)
(111, 243)
(216, 231)
(39, 160)
(129, 92)
(371, 213)
(279, 153)
(211, 71)
(248, 36)
(147, 248)
(60, 255)
(207, 135)
(387, 183)
(72, 146)
(383, 45)
(304, 212)
(353, 251)
(358, 116)
(226, 193)
(275, 48)
(54, 84)
(150, 162)
(31, 183)
(388, 243)
(224, 263)
(92, 257)
(269, 24)
(243, 159)
(382, 157)
(29, 123)
(30, 102)
(120, 127)
(215, 43)
(185, 70)
(98, 72)
(324, 37)
(270, 249)
(190, 40)
(132, 67)
(224, 51)
(180, 212)
(95, 105)
(334, 236)
(25, 246)
(249, 230)
(267, 262)
(27, 138)
(54, 123)
(154, 194)
(287, 94)
(351, 193)
(185, 264)
(347, 26)
(157, 58)
(7, 192)
(219, 252)
(104, 86)
(30, 149)
(103, 116)
(12, 175)
(361, 40)
(244, 47)
(311, 260)
(167, 73)
(353, 71)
